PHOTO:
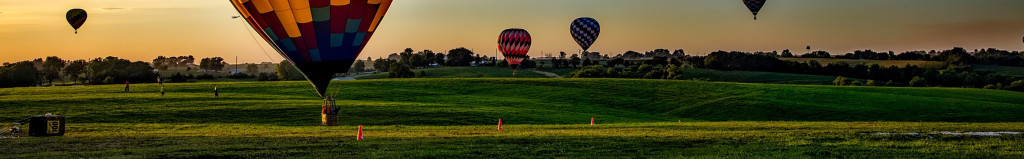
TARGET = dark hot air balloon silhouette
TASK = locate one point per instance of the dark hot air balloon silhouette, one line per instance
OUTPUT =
(585, 31)
(76, 17)
(754, 6)
(514, 44)
(320, 37)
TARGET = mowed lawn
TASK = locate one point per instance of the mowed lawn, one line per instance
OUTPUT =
(451, 117)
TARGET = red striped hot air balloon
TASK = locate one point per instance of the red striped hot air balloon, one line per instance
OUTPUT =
(514, 44)
(320, 37)
(76, 17)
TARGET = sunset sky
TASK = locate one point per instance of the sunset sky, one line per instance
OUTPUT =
(144, 29)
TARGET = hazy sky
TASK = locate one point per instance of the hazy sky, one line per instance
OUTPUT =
(144, 29)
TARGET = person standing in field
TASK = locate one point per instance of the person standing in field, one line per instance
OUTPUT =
(160, 81)
(216, 93)
(126, 86)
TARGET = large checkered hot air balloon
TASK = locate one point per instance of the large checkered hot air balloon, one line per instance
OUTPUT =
(320, 37)
(754, 6)
(585, 31)
(76, 17)
(514, 44)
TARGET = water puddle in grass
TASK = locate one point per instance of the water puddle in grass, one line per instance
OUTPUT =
(989, 134)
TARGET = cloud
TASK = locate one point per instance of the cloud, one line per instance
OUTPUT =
(112, 8)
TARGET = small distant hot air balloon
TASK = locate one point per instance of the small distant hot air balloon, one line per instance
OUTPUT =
(754, 6)
(514, 44)
(76, 17)
(585, 30)
(320, 37)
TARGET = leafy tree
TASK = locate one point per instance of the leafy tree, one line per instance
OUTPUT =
(212, 64)
(574, 61)
(287, 72)
(615, 62)
(160, 63)
(786, 53)
(19, 74)
(383, 65)
(679, 53)
(841, 81)
(917, 81)
(113, 70)
(400, 70)
(359, 66)
(817, 54)
(52, 68)
(1016, 86)
(460, 57)
(439, 58)
(870, 83)
(75, 69)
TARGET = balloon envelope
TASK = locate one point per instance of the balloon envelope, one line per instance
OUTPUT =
(320, 37)
(754, 6)
(76, 17)
(585, 31)
(514, 44)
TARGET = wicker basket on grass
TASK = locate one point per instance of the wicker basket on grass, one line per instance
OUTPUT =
(329, 113)
(330, 119)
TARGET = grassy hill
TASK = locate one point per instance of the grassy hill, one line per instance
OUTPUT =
(478, 101)
(543, 117)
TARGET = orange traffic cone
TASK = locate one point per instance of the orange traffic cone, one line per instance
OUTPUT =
(499, 124)
(360, 135)
(591, 120)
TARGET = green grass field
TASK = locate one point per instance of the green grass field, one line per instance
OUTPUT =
(756, 77)
(1003, 70)
(884, 63)
(544, 118)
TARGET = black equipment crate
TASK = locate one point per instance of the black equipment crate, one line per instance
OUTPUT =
(46, 125)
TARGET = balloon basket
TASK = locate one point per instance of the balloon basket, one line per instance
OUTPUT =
(329, 119)
(329, 113)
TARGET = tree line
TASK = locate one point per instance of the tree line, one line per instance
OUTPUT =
(107, 70)
(990, 56)
(956, 72)
(53, 69)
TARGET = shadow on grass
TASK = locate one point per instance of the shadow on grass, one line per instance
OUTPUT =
(467, 147)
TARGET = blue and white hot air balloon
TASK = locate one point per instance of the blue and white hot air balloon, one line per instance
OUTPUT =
(585, 30)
